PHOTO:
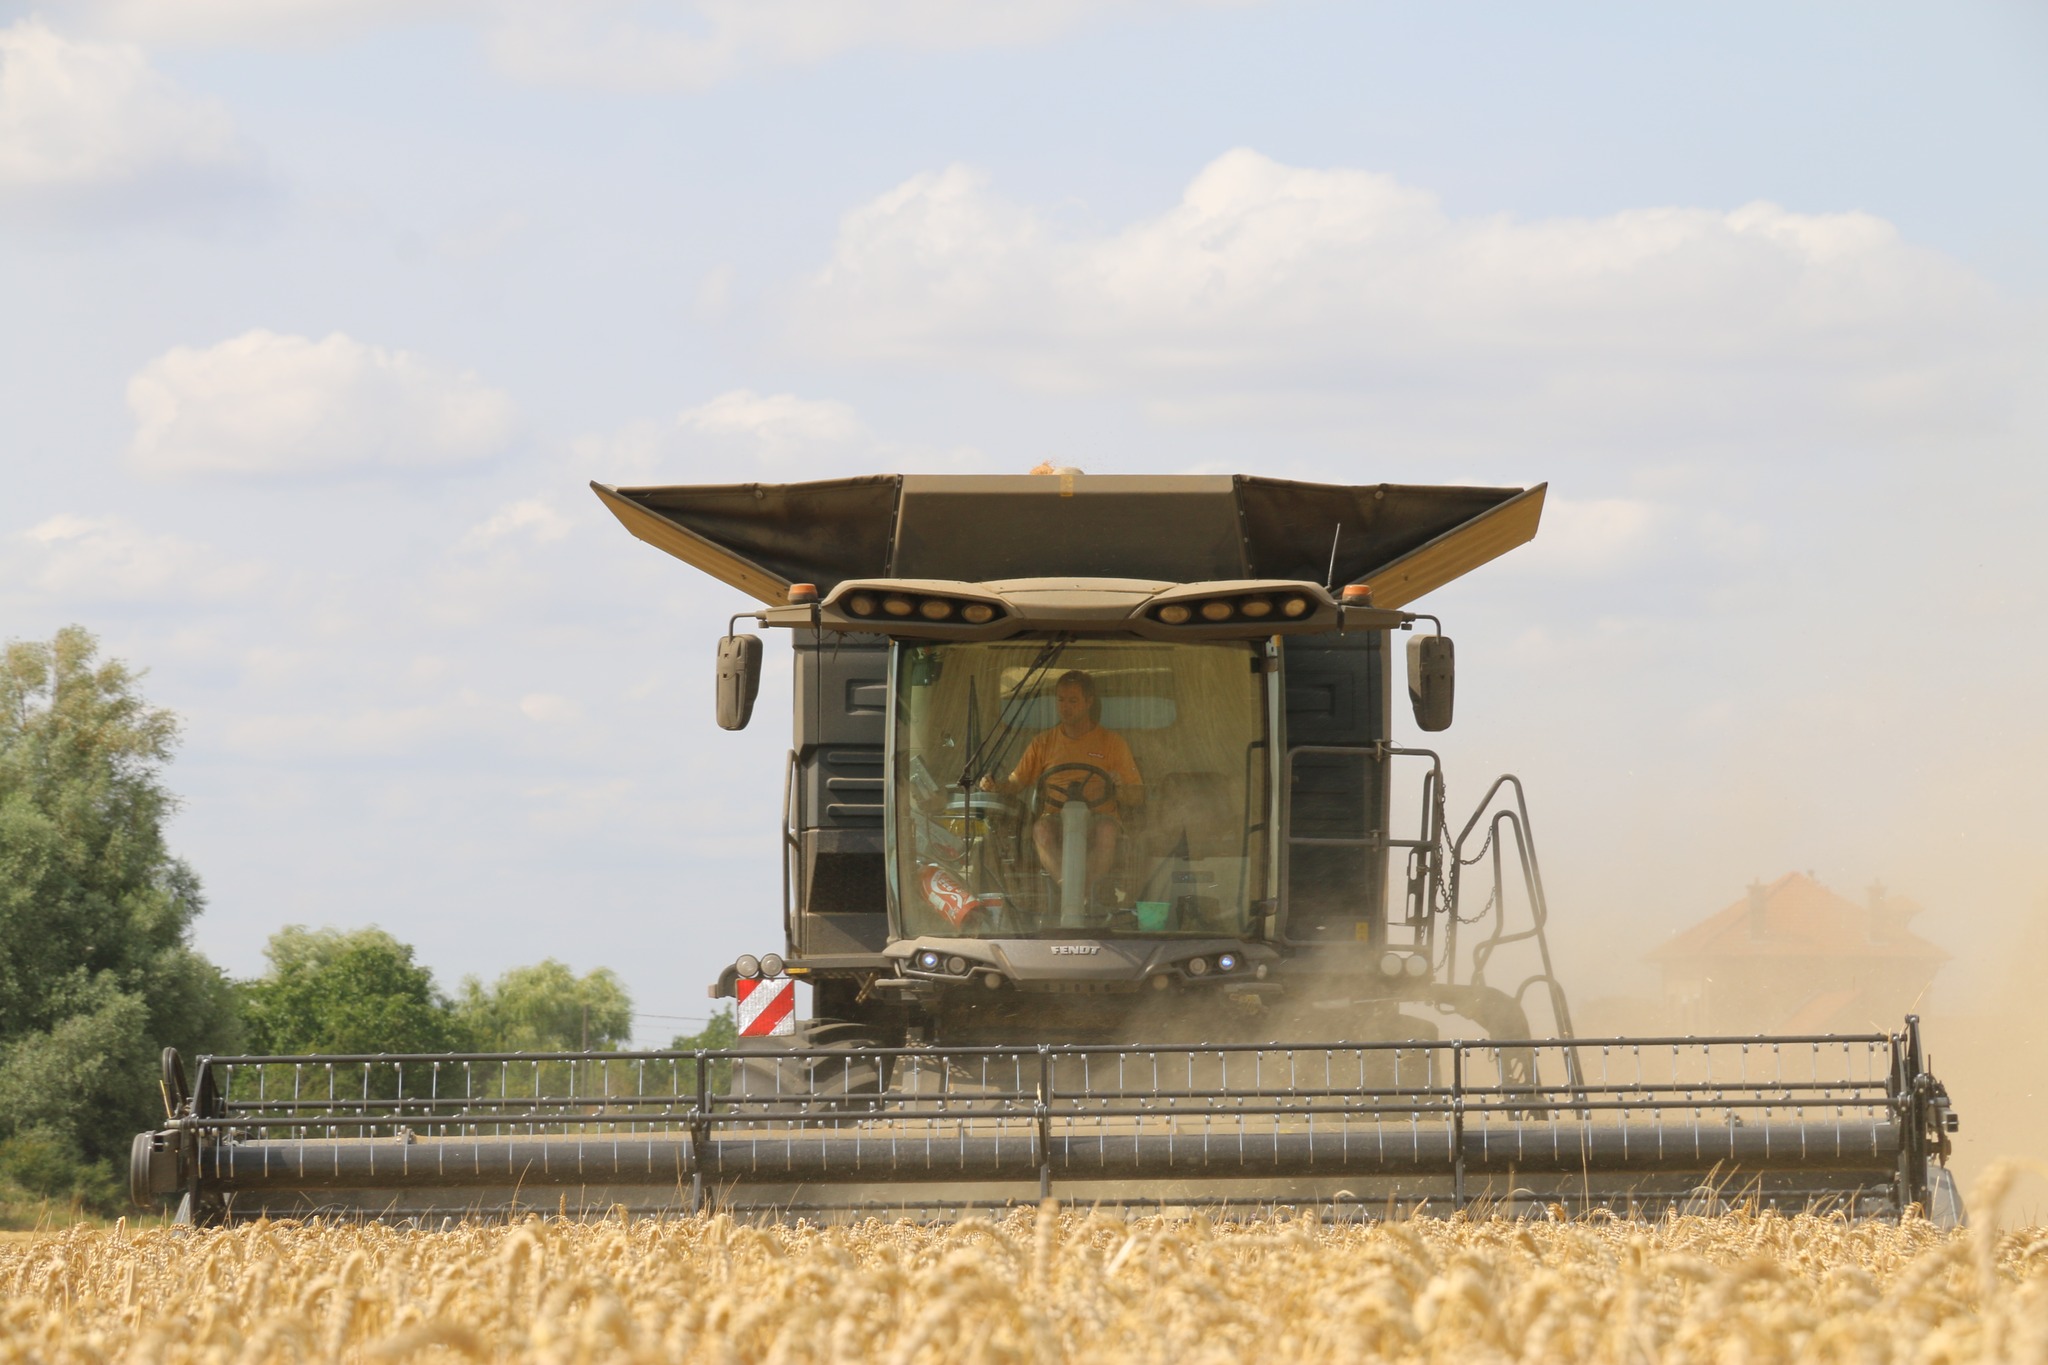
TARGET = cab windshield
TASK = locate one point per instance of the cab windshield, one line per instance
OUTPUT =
(1056, 786)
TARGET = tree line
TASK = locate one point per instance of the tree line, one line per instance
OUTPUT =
(98, 973)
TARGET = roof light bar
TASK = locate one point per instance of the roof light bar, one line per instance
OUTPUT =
(917, 608)
(1235, 608)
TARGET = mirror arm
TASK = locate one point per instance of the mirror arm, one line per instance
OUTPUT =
(757, 617)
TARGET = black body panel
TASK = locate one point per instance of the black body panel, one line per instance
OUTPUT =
(1290, 528)
(842, 715)
(991, 529)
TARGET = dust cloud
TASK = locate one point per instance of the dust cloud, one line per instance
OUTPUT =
(1992, 1061)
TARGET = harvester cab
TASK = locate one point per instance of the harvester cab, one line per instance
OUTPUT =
(1111, 880)
(1080, 758)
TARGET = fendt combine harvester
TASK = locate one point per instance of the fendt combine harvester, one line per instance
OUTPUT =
(1109, 880)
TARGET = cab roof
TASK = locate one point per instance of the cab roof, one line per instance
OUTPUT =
(1403, 539)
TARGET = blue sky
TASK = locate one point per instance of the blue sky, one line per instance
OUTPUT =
(316, 316)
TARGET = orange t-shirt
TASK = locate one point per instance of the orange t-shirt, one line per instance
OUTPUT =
(1099, 748)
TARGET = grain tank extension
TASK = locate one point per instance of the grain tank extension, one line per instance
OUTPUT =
(1111, 876)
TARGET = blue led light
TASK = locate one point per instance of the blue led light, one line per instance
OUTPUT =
(1226, 962)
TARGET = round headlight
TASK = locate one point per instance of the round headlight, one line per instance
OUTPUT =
(1217, 610)
(978, 613)
(992, 980)
(1294, 606)
(748, 966)
(935, 609)
(1390, 965)
(1198, 966)
(1174, 613)
(928, 960)
(861, 604)
(771, 964)
(1226, 962)
(897, 606)
(957, 965)
(1255, 607)
(1416, 966)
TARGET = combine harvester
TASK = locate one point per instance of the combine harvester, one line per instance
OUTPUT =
(1109, 880)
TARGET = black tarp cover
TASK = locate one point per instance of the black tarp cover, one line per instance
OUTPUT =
(1168, 528)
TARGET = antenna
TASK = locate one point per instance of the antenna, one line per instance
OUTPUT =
(1330, 581)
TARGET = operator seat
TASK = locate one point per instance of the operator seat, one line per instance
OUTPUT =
(1190, 818)
(1195, 806)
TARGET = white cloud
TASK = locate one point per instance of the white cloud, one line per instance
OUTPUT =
(534, 518)
(639, 44)
(779, 422)
(266, 404)
(739, 434)
(549, 708)
(241, 22)
(1341, 294)
(692, 46)
(356, 732)
(84, 560)
(85, 122)
(744, 434)
(1592, 537)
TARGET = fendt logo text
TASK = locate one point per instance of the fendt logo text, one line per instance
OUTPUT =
(1061, 949)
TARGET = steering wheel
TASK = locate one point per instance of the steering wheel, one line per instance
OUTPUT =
(1052, 797)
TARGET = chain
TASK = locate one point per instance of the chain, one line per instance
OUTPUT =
(1449, 858)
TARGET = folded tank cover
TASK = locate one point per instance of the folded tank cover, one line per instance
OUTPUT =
(1403, 539)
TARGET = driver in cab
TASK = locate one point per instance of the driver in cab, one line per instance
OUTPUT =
(1062, 758)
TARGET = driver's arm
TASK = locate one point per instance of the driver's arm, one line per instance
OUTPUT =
(1025, 773)
(1130, 785)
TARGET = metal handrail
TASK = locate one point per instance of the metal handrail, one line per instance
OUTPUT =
(1070, 1049)
(792, 849)
(1518, 823)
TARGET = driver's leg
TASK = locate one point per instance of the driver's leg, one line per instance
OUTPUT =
(1101, 848)
(1045, 836)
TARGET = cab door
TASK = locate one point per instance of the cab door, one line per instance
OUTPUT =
(1334, 788)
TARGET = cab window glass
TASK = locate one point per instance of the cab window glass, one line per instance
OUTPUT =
(1049, 786)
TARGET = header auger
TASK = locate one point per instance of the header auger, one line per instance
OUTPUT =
(1109, 879)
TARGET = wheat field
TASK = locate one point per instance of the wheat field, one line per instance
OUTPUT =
(1043, 1285)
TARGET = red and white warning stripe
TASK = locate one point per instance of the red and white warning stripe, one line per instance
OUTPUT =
(767, 1008)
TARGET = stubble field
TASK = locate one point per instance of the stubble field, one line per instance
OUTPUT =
(1043, 1285)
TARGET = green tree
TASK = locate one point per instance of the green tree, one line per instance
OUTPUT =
(547, 1008)
(330, 990)
(720, 1031)
(97, 972)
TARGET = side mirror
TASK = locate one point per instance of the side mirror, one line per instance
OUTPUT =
(1431, 677)
(739, 680)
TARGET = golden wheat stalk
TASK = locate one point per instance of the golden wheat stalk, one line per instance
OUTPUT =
(1042, 1285)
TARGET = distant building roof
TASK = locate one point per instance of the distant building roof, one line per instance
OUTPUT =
(1824, 1012)
(1795, 916)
